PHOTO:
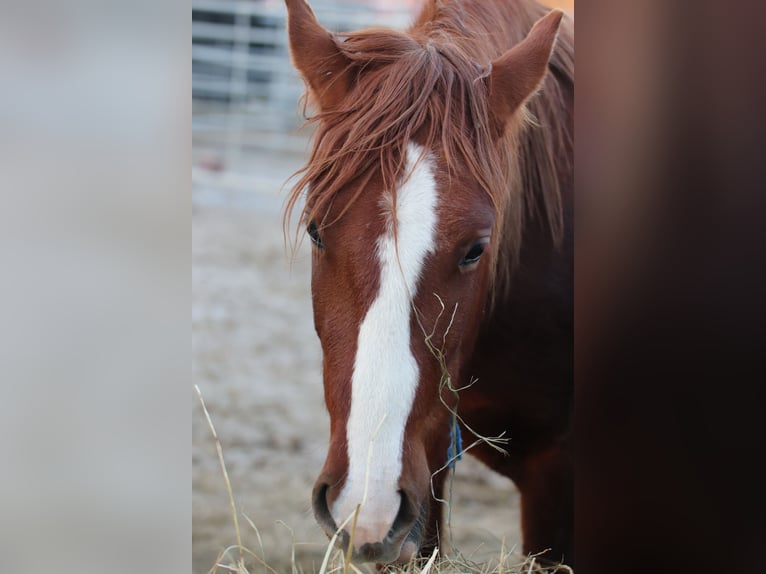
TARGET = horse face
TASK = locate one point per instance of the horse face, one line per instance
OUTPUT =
(398, 295)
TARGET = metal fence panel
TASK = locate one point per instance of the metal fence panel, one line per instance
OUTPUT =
(245, 92)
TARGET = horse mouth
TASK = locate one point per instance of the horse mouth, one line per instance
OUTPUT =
(394, 549)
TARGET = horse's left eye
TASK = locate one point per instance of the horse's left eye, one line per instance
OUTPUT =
(473, 255)
(313, 232)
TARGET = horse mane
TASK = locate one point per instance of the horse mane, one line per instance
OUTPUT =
(428, 85)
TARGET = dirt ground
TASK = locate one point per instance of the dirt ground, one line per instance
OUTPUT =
(257, 362)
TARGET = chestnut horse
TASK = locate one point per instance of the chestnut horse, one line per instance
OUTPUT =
(439, 202)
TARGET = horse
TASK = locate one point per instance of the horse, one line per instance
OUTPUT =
(438, 200)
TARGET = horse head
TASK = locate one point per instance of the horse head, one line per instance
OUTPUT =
(406, 226)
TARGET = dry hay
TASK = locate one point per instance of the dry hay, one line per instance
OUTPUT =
(241, 559)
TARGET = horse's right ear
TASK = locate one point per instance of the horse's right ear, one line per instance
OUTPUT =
(316, 55)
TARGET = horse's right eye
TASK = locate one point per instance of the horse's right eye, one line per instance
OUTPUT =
(314, 234)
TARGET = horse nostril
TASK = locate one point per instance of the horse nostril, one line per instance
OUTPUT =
(321, 510)
(405, 518)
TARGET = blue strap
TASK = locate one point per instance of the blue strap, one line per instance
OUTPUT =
(455, 450)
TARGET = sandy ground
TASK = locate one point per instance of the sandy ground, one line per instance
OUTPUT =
(257, 362)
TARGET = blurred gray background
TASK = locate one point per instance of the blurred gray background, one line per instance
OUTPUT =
(245, 92)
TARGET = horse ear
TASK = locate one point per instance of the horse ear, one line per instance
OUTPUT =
(518, 73)
(316, 56)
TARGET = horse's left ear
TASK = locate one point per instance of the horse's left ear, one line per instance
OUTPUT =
(517, 74)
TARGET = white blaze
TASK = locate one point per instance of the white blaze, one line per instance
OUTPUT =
(385, 375)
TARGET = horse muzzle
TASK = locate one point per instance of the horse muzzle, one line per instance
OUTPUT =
(399, 544)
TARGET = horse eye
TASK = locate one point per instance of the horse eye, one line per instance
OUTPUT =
(314, 234)
(473, 255)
